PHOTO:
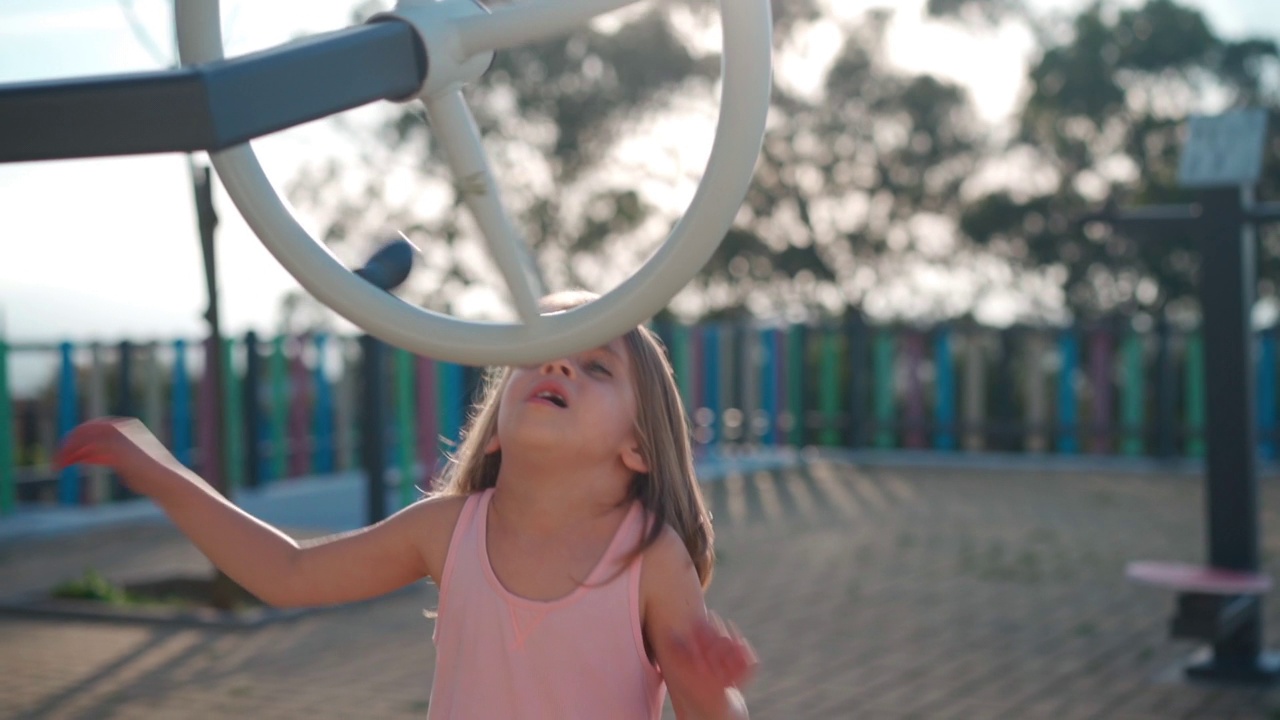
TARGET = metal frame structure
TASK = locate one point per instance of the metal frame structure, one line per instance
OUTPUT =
(1221, 160)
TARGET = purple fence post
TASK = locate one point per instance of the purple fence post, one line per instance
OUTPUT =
(1100, 351)
(299, 410)
(915, 420)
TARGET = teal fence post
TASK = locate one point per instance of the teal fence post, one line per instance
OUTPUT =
(830, 398)
(68, 416)
(1068, 412)
(1195, 408)
(1133, 400)
(944, 408)
(915, 430)
(450, 381)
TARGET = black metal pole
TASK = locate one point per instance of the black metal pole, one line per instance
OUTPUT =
(1227, 281)
(373, 449)
(386, 269)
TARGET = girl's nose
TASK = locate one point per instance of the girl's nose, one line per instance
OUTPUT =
(561, 366)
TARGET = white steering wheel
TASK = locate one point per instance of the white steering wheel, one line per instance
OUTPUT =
(460, 37)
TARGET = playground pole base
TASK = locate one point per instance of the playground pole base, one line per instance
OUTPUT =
(1262, 669)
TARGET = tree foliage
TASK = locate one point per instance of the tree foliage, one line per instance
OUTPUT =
(1104, 119)
(866, 193)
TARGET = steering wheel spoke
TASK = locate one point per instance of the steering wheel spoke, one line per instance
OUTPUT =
(452, 122)
(528, 22)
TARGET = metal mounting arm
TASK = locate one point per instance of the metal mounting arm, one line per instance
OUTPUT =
(211, 106)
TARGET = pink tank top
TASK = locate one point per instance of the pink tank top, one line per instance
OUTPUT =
(499, 655)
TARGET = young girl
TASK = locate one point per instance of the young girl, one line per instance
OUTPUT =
(568, 538)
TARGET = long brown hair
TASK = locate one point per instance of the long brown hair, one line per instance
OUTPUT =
(669, 490)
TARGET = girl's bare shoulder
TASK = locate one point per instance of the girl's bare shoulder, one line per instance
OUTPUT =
(432, 521)
(666, 560)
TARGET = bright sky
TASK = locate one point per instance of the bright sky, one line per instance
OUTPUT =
(107, 249)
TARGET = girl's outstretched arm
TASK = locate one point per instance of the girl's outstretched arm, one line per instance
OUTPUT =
(268, 563)
(704, 660)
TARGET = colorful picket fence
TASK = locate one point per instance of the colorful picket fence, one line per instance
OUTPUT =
(292, 406)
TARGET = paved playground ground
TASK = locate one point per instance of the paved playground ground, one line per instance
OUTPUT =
(870, 592)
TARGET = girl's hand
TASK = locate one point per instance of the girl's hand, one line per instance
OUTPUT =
(122, 444)
(712, 659)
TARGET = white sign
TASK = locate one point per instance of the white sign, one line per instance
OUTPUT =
(1223, 150)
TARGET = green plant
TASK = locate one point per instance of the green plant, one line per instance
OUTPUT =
(93, 585)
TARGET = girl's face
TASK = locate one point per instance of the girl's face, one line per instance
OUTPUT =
(584, 404)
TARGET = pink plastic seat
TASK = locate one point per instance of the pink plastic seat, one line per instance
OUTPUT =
(1198, 578)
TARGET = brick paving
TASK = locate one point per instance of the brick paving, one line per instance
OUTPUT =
(870, 592)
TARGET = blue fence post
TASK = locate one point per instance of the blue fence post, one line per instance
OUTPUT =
(944, 409)
(451, 381)
(770, 361)
(180, 433)
(68, 416)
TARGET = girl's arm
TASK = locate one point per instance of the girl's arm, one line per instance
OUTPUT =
(704, 661)
(266, 562)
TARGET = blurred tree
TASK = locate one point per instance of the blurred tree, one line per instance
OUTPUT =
(1102, 122)
(599, 139)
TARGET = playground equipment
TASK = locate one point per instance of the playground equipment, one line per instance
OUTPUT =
(425, 49)
(1221, 604)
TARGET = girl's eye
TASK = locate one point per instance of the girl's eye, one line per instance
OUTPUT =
(598, 367)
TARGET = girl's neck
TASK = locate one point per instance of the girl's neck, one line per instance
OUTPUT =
(543, 499)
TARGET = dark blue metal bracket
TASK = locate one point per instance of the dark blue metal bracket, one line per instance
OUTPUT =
(211, 106)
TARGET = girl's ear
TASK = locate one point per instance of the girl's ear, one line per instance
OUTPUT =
(492, 446)
(634, 460)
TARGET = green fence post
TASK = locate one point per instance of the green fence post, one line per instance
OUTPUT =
(1195, 395)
